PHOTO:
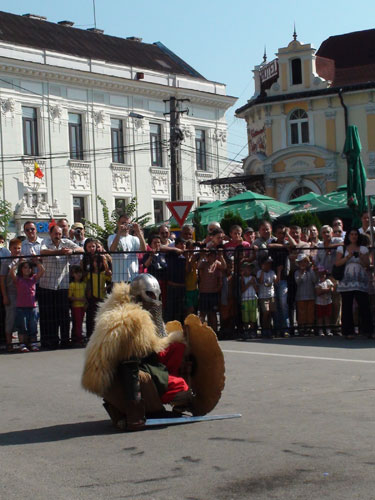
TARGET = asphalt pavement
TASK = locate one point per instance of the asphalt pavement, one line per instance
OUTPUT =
(306, 432)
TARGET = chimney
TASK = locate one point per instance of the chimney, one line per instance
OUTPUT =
(35, 16)
(95, 30)
(134, 39)
(66, 24)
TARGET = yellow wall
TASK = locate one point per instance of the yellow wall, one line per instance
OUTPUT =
(284, 76)
(295, 105)
(306, 74)
(279, 166)
(330, 186)
(331, 134)
(319, 162)
(371, 132)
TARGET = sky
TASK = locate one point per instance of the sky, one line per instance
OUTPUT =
(222, 40)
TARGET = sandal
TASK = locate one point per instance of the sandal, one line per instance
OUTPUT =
(23, 348)
(34, 348)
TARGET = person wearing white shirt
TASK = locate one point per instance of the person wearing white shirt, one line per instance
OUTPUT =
(31, 245)
(125, 264)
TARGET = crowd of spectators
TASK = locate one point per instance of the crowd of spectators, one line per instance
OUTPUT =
(277, 281)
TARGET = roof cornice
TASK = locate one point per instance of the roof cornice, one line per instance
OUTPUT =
(302, 95)
(109, 82)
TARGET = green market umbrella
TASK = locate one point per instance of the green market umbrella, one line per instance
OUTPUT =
(326, 207)
(249, 205)
(304, 198)
(356, 198)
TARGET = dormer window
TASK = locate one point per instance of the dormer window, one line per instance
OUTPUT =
(296, 68)
(299, 127)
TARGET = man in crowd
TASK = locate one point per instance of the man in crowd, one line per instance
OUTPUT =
(31, 244)
(125, 265)
(64, 224)
(79, 234)
(365, 228)
(261, 243)
(325, 258)
(4, 252)
(164, 234)
(53, 289)
(279, 251)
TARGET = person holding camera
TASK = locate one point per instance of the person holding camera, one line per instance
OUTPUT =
(354, 255)
(79, 234)
(125, 265)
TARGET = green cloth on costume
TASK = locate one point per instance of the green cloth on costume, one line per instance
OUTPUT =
(157, 370)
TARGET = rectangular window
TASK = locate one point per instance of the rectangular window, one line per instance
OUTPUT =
(75, 136)
(200, 149)
(30, 131)
(294, 133)
(296, 66)
(78, 208)
(120, 205)
(155, 145)
(158, 211)
(117, 141)
(305, 132)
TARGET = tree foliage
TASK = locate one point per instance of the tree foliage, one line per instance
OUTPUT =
(230, 219)
(110, 220)
(200, 232)
(306, 219)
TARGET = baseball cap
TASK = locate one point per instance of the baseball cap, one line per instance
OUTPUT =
(78, 225)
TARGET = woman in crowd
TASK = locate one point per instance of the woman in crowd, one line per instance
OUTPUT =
(354, 255)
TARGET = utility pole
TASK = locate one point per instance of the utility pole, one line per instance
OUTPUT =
(175, 136)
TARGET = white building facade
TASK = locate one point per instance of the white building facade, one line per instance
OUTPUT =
(99, 128)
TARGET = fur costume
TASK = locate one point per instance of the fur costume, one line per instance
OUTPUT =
(123, 330)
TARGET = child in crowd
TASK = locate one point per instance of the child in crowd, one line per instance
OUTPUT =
(90, 248)
(191, 278)
(305, 294)
(77, 297)
(210, 269)
(98, 282)
(228, 307)
(323, 301)
(26, 322)
(249, 299)
(236, 241)
(266, 279)
(9, 290)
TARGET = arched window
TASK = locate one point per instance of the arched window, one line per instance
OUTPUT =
(299, 127)
(296, 67)
(300, 191)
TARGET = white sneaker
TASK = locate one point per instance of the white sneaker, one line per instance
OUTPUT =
(329, 333)
(321, 333)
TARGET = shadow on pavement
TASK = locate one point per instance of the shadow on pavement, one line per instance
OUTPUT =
(57, 433)
(330, 342)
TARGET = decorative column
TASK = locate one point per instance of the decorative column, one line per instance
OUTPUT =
(331, 181)
(268, 181)
(269, 144)
(330, 130)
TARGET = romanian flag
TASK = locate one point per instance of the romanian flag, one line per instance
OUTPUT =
(37, 171)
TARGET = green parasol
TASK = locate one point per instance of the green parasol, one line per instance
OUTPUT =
(304, 198)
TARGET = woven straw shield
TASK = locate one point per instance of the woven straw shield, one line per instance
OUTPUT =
(208, 379)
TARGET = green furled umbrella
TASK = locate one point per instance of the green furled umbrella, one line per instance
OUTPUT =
(356, 175)
(304, 198)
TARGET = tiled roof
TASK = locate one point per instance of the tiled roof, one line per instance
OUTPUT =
(347, 59)
(40, 34)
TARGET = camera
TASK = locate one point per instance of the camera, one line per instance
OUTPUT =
(78, 232)
(355, 254)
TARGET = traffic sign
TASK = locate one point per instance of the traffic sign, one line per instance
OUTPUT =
(179, 210)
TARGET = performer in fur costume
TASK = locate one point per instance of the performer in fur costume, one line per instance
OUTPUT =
(130, 360)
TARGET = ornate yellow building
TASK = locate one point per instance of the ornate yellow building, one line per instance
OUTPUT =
(296, 120)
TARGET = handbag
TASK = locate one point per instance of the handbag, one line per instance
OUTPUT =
(338, 271)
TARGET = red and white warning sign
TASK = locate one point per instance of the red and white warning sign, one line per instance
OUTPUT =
(180, 210)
